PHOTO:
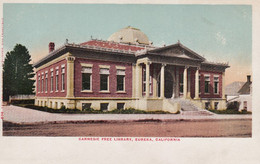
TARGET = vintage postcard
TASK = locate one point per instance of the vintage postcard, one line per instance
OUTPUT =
(95, 74)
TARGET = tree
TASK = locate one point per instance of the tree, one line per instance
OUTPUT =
(17, 72)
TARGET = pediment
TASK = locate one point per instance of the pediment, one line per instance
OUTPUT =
(178, 50)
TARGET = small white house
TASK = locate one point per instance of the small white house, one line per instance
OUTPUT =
(240, 93)
(245, 95)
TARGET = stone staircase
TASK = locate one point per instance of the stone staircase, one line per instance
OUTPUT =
(188, 108)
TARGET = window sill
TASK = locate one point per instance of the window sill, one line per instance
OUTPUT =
(121, 92)
(62, 91)
(87, 91)
(104, 91)
(56, 91)
(51, 91)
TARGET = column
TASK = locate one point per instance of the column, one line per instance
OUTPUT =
(177, 82)
(147, 77)
(138, 80)
(189, 81)
(197, 84)
(134, 79)
(70, 76)
(185, 82)
(162, 80)
(223, 86)
(154, 82)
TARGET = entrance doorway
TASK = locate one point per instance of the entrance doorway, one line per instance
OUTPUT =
(168, 85)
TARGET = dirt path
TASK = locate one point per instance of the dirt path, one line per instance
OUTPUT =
(215, 128)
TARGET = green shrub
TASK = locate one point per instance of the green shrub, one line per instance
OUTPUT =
(63, 109)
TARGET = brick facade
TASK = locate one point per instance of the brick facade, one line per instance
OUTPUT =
(50, 93)
(96, 79)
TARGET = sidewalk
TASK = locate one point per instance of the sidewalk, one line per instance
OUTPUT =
(21, 115)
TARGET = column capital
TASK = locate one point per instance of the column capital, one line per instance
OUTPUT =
(186, 67)
(163, 64)
(147, 62)
(70, 58)
(197, 68)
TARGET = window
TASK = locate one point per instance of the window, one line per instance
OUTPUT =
(46, 82)
(63, 79)
(39, 83)
(216, 83)
(103, 106)
(181, 83)
(104, 81)
(51, 81)
(86, 78)
(120, 105)
(207, 80)
(86, 106)
(207, 105)
(120, 80)
(42, 82)
(57, 80)
(245, 105)
(215, 105)
(144, 81)
(62, 105)
(199, 85)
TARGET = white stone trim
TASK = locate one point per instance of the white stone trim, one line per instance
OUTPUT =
(86, 65)
(104, 66)
(120, 67)
(63, 65)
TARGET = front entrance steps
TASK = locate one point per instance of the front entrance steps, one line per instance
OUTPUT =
(188, 108)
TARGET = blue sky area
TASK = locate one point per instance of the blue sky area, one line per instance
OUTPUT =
(217, 32)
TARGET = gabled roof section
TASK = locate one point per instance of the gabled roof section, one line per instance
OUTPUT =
(245, 89)
(233, 88)
(177, 50)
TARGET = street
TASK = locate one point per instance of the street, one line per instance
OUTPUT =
(195, 128)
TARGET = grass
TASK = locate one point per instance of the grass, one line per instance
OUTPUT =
(229, 111)
(91, 111)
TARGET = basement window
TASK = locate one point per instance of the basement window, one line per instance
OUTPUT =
(104, 106)
(120, 105)
(86, 106)
(215, 105)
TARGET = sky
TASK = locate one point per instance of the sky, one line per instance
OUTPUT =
(220, 33)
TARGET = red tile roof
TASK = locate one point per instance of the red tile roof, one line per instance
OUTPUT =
(112, 45)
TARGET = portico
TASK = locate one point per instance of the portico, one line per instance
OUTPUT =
(166, 81)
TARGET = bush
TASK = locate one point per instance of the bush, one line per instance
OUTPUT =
(229, 111)
(233, 105)
(63, 109)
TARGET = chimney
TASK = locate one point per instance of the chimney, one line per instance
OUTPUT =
(51, 47)
(248, 78)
